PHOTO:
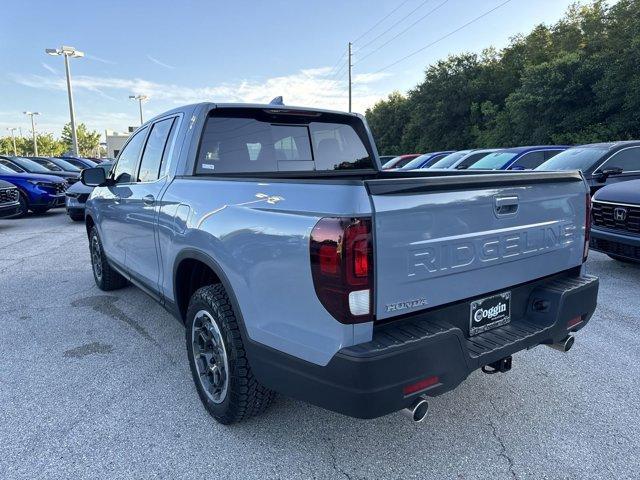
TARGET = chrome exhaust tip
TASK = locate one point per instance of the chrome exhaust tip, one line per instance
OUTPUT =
(418, 410)
(564, 345)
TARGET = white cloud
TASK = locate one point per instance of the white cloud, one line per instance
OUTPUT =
(158, 62)
(100, 59)
(49, 68)
(313, 87)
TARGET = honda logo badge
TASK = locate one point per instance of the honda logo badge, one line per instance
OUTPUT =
(620, 214)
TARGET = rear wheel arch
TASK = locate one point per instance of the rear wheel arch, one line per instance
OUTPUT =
(194, 269)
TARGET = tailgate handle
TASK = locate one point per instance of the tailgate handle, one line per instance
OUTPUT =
(506, 206)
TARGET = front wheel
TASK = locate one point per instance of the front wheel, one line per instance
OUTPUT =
(76, 217)
(40, 210)
(24, 206)
(105, 276)
(218, 360)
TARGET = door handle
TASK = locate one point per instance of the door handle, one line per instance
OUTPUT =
(148, 200)
(506, 206)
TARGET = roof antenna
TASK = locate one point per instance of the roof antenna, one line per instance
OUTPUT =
(277, 101)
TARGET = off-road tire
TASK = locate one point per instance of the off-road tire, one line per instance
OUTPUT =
(105, 276)
(245, 396)
(24, 205)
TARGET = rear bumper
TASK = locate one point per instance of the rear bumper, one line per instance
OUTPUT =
(367, 380)
(618, 244)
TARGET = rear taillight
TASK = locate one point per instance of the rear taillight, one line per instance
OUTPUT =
(587, 228)
(342, 267)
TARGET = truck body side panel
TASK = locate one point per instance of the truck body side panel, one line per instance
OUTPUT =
(258, 232)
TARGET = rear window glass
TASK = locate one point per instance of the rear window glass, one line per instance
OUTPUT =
(450, 159)
(578, 158)
(494, 161)
(29, 165)
(238, 142)
(7, 166)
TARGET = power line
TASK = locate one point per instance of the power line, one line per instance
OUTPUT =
(381, 20)
(403, 31)
(443, 37)
(335, 74)
(392, 26)
(335, 65)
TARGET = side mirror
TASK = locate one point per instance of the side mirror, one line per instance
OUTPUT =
(607, 172)
(517, 167)
(93, 177)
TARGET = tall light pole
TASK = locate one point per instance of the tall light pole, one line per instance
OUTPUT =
(140, 99)
(33, 131)
(67, 52)
(350, 68)
(13, 138)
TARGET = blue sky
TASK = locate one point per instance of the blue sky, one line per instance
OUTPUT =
(184, 52)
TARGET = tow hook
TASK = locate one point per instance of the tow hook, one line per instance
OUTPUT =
(501, 366)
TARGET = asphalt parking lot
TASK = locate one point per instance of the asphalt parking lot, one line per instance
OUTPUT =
(97, 385)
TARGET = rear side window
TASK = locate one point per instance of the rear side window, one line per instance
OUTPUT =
(550, 154)
(154, 150)
(10, 166)
(628, 160)
(255, 141)
(128, 159)
(48, 164)
(530, 160)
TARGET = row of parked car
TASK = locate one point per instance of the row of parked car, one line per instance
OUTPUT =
(615, 220)
(38, 184)
(601, 163)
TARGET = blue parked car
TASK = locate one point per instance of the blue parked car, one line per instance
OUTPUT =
(518, 158)
(38, 192)
(426, 160)
(24, 164)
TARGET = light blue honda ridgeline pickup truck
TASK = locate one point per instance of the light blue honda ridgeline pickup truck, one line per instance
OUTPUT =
(299, 266)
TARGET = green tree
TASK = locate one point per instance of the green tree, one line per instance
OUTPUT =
(575, 81)
(88, 142)
(47, 145)
(387, 120)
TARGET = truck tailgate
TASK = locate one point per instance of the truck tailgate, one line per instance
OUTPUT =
(446, 238)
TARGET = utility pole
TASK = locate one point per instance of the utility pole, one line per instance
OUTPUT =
(140, 99)
(13, 138)
(33, 131)
(67, 52)
(350, 68)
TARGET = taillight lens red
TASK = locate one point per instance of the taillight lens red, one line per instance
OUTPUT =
(342, 267)
(587, 228)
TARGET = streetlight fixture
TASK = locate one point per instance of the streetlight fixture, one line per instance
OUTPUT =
(140, 99)
(33, 131)
(67, 52)
(13, 138)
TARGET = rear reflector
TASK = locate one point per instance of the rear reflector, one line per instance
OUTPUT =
(421, 385)
(359, 302)
(574, 321)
